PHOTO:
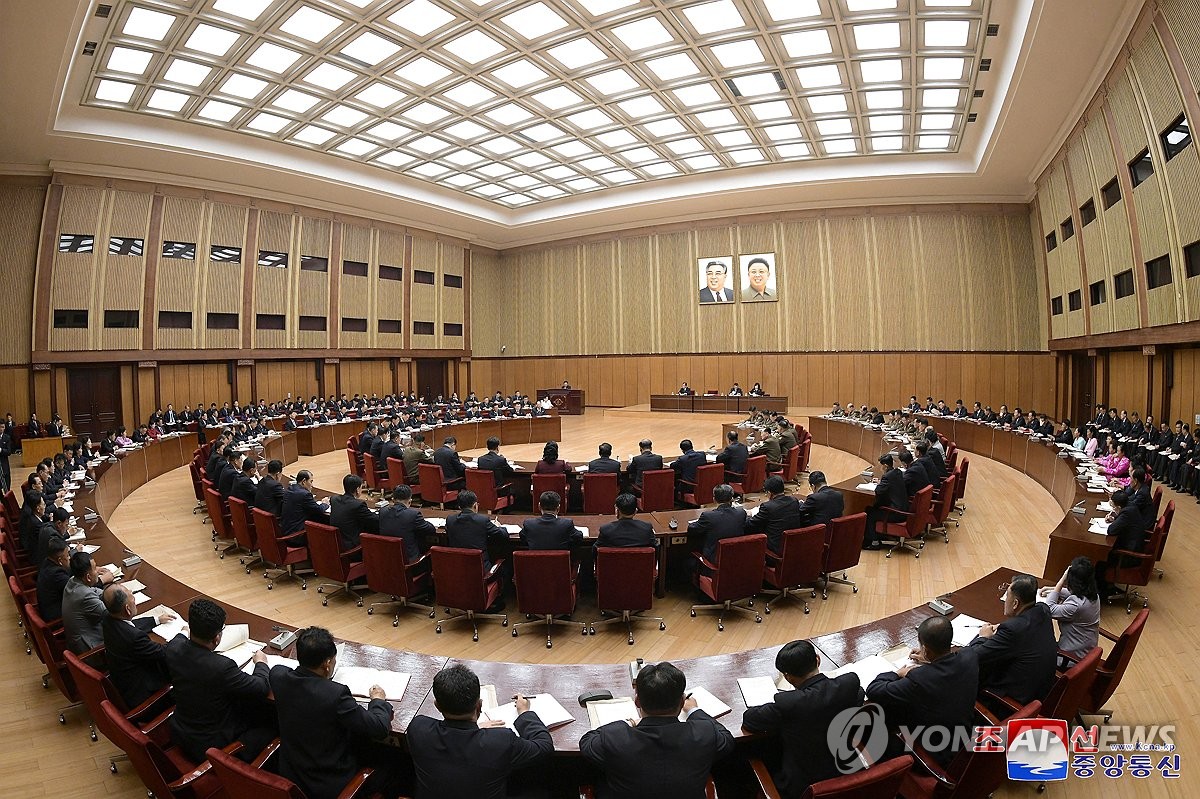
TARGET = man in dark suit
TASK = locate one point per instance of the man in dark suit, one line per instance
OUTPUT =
(300, 506)
(626, 531)
(52, 579)
(802, 717)
(1017, 657)
(889, 493)
(400, 520)
(35, 427)
(453, 470)
(931, 460)
(605, 464)
(243, 483)
(938, 692)
(348, 512)
(1141, 498)
(391, 449)
(780, 512)
(824, 504)
(216, 703)
(723, 521)
(136, 665)
(367, 439)
(550, 531)
(644, 461)
(324, 732)
(499, 466)
(229, 475)
(915, 476)
(268, 494)
(216, 457)
(715, 275)
(734, 456)
(457, 757)
(661, 756)
(470, 529)
(1128, 531)
(685, 465)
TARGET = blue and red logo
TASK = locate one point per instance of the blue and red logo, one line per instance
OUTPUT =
(1037, 750)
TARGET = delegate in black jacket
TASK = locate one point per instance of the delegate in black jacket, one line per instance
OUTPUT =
(351, 516)
(685, 465)
(661, 757)
(626, 533)
(453, 468)
(51, 581)
(734, 457)
(777, 514)
(643, 462)
(891, 492)
(496, 463)
(723, 521)
(299, 506)
(550, 532)
(822, 506)
(1018, 661)
(318, 722)
(915, 478)
(268, 496)
(603, 466)
(455, 758)
(468, 530)
(802, 718)
(1129, 529)
(136, 665)
(398, 521)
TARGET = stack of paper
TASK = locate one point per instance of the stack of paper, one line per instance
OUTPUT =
(1098, 526)
(168, 630)
(965, 629)
(761, 690)
(548, 709)
(605, 711)
(237, 645)
(707, 702)
(141, 598)
(359, 680)
(867, 669)
(513, 529)
(272, 662)
(587, 533)
(865, 486)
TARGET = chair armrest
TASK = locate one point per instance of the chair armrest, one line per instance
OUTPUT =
(703, 561)
(199, 771)
(492, 572)
(740, 475)
(158, 721)
(148, 705)
(417, 562)
(982, 710)
(922, 759)
(1109, 635)
(766, 785)
(1005, 700)
(356, 783)
(687, 483)
(266, 754)
(353, 551)
(772, 556)
(1132, 554)
(296, 534)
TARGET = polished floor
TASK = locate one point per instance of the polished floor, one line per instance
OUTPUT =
(1006, 523)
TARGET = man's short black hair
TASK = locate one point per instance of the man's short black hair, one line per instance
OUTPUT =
(549, 500)
(773, 485)
(493, 443)
(466, 499)
(275, 467)
(797, 658)
(314, 646)
(626, 504)
(605, 450)
(685, 445)
(402, 492)
(906, 457)
(456, 690)
(55, 546)
(723, 493)
(449, 440)
(206, 619)
(922, 448)
(249, 465)
(351, 483)
(1024, 588)
(886, 459)
(81, 564)
(936, 634)
(645, 443)
(732, 436)
(659, 688)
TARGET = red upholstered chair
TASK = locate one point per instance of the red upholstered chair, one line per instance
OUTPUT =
(600, 492)
(735, 577)
(196, 472)
(752, 480)
(355, 464)
(433, 485)
(22, 598)
(700, 492)
(163, 768)
(1070, 690)
(550, 482)
(798, 566)
(389, 572)
(546, 587)
(1156, 499)
(657, 491)
(939, 513)
(951, 457)
(843, 547)
(218, 514)
(881, 781)
(330, 561)
(240, 780)
(95, 687)
(376, 480)
(1137, 575)
(279, 552)
(243, 532)
(970, 774)
(791, 464)
(463, 588)
(710, 790)
(1168, 517)
(805, 454)
(13, 511)
(960, 487)
(1111, 669)
(911, 524)
(50, 643)
(483, 483)
(397, 475)
(625, 585)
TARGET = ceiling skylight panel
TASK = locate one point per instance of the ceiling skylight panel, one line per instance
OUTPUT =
(516, 199)
(273, 58)
(665, 127)
(805, 44)
(295, 100)
(268, 123)
(395, 158)
(422, 71)
(146, 24)
(559, 173)
(474, 46)
(463, 157)
(834, 127)
(619, 176)
(819, 77)
(508, 114)
(246, 9)
(886, 70)
(534, 21)
(840, 146)
(164, 100)
(783, 132)
(685, 146)
(597, 164)
(886, 123)
(495, 170)
(489, 190)
(522, 181)
(425, 113)
(946, 32)
(466, 130)
(543, 132)
(736, 54)
(460, 180)
(614, 81)
(501, 145)
(577, 53)
(793, 150)
(644, 106)
(720, 118)
(886, 99)
(699, 94)
(388, 131)
(428, 144)
(785, 10)
(343, 116)
(310, 24)
(421, 17)
(429, 170)
(937, 121)
(519, 74)
(827, 103)
(940, 98)
(883, 144)
(877, 36)
(639, 155)
(643, 34)
(591, 119)
(600, 7)
(548, 192)
(700, 162)
(672, 67)
(243, 86)
(133, 62)
(572, 149)
(715, 17)
(777, 109)
(218, 111)
(531, 159)
(747, 156)
(943, 68)
(380, 95)
(356, 147)
(857, 6)
(329, 76)
(757, 84)
(933, 142)
(657, 170)
(469, 94)
(212, 40)
(734, 138)
(369, 48)
(557, 98)
(617, 138)
(189, 73)
(114, 91)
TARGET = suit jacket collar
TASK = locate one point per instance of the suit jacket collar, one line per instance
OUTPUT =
(658, 721)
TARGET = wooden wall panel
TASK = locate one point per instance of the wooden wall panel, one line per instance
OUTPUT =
(488, 306)
(14, 394)
(855, 310)
(424, 298)
(20, 225)
(600, 318)
(640, 314)
(1128, 380)
(761, 324)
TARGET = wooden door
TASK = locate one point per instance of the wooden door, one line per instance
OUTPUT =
(95, 398)
(1083, 385)
(431, 377)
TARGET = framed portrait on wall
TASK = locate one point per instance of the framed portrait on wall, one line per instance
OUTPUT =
(758, 278)
(716, 279)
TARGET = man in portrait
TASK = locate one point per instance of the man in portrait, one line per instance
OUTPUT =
(716, 273)
(759, 285)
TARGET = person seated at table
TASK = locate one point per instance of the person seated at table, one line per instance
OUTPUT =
(82, 608)
(626, 531)
(659, 755)
(550, 463)
(458, 756)
(502, 471)
(734, 456)
(230, 471)
(391, 449)
(122, 439)
(52, 579)
(470, 529)
(605, 464)
(787, 436)
(770, 446)
(1113, 463)
(687, 463)
(823, 504)
(54, 428)
(33, 516)
(300, 506)
(836, 410)
(757, 390)
(779, 513)
(915, 475)
(401, 520)
(550, 531)
(136, 665)
(325, 735)
(244, 487)
(890, 493)
(937, 690)
(686, 390)
(802, 718)
(736, 391)
(1017, 657)
(348, 512)
(723, 521)
(960, 410)
(1127, 528)
(34, 427)
(268, 494)
(108, 445)
(454, 471)
(644, 461)
(415, 453)
(1078, 440)
(931, 458)
(1074, 603)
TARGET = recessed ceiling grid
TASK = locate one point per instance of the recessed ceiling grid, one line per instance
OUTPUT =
(523, 101)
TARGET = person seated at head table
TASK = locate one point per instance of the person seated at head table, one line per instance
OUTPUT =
(736, 391)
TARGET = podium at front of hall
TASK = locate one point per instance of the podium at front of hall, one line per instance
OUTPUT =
(567, 401)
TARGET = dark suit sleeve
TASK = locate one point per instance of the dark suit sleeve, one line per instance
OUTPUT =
(998, 648)
(374, 721)
(890, 691)
(367, 522)
(724, 738)
(249, 686)
(764, 718)
(496, 533)
(533, 742)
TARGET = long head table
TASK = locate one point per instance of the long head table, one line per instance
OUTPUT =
(715, 403)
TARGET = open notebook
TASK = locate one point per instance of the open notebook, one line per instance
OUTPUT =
(548, 709)
(168, 630)
(237, 645)
(359, 680)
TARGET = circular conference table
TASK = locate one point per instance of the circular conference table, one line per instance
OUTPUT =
(117, 479)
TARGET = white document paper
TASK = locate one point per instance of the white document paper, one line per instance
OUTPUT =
(865, 486)
(606, 711)
(548, 709)
(141, 598)
(437, 521)
(243, 652)
(91, 549)
(360, 679)
(760, 690)
(513, 529)
(867, 669)
(587, 533)
(707, 702)
(134, 585)
(965, 629)
(272, 662)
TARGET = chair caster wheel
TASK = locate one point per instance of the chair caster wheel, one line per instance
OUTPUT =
(888, 555)
(767, 610)
(46, 681)
(856, 589)
(475, 637)
(806, 610)
(325, 602)
(758, 619)
(514, 633)
(583, 631)
(112, 767)
(222, 556)
(370, 611)
(438, 629)
(693, 614)
(720, 628)
(662, 625)
(917, 555)
(432, 613)
(750, 603)
(270, 586)
(304, 586)
(359, 603)
(92, 735)
(321, 589)
(395, 622)
(630, 641)
(62, 719)
(504, 623)
(247, 570)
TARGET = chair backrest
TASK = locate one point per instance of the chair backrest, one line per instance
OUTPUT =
(881, 781)
(458, 578)
(95, 688)
(1156, 500)
(216, 512)
(370, 470)
(1112, 670)
(625, 578)
(395, 471)
(194, 469)
(976, 774)
(1140, 572)
(805, 453)
(708, 477)
(919, 511)
(242, 781)
(544, 581)
(1071, 687)
(756, 474)
(243, 525)
(387, 566)
(483, 483)
(658, 490)
(600, 492)
(945, 500)
(266, 526)
(324, 550)
(951, 457)
(1167, 517)
(13, 511)
(803, 557)
(790, 462)
(51, 645)
(960, 488)
(155, 768)
(550, 482)
(355, 467)
(740, 562)
(432, 480)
